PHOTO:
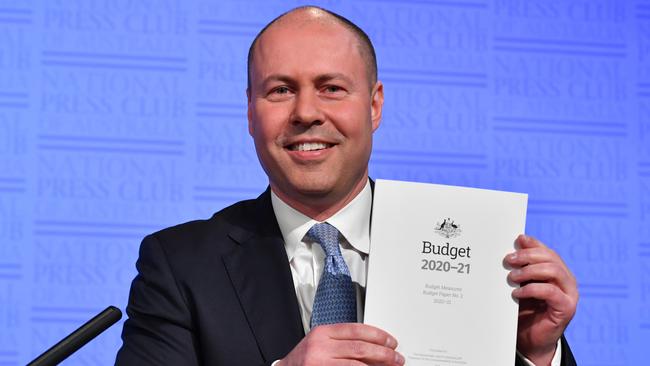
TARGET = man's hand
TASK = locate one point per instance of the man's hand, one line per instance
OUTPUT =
(547, 298)
(345, 344)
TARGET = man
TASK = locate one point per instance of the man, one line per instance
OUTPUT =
(242, 288)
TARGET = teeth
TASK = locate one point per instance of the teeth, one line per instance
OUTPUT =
(309, 146)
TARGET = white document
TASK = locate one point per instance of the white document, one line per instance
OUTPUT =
(436, 278)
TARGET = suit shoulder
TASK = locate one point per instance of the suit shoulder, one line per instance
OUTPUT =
(193, 235)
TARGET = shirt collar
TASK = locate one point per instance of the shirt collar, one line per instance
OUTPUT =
(352, 221)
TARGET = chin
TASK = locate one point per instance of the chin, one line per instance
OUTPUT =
(313, 186)
(314, 189)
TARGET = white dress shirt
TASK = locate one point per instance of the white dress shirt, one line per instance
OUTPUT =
(306, 257)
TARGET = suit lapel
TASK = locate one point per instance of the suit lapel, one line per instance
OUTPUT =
(260, 273)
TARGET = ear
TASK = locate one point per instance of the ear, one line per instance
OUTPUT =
(376, 104)
(249, 112)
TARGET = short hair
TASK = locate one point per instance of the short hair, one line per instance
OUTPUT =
(365, 45)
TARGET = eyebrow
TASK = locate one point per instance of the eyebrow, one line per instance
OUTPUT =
(319, 79)
(277, 77)
(332, 76)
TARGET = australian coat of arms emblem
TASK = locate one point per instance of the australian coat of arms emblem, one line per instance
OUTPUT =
(448, 228)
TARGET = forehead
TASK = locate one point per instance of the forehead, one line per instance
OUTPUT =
(298, 46)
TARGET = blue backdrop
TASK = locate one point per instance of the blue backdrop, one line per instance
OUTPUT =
(120, 117)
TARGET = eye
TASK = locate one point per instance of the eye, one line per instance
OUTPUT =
(280, 90)
(279, 93)
(333, 88)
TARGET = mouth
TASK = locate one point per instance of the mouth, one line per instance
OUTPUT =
(309, 146)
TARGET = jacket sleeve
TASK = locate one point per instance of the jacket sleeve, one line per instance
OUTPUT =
(566, 356)
(159, 328)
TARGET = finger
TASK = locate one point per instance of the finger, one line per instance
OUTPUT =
(523, 257)
(547, 272)
(525, 241)
(369, 353)
(362, 332)
(346, 363)
(551, 294)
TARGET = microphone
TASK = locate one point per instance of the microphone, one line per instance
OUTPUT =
(78, 338)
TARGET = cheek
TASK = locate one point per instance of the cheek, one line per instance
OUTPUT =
(355, 124)
(265, 128)
(270, 115)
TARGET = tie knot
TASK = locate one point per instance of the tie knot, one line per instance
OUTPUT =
(327, 236)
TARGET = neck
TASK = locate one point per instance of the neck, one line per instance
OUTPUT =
(321, 207)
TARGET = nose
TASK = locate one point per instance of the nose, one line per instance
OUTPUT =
(307, 109)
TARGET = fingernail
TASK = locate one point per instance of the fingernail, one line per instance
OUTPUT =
(516, 272)
(391, 342)
(399, 359)
(512, 256)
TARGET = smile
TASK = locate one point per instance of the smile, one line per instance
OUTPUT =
(309, 146)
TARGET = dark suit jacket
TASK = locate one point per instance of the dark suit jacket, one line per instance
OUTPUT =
(215, 292)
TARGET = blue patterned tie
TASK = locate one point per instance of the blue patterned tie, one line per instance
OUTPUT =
(335, 300)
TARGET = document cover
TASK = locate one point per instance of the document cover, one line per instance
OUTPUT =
(436, 278)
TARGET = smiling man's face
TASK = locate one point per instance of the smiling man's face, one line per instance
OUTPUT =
(312, 111)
